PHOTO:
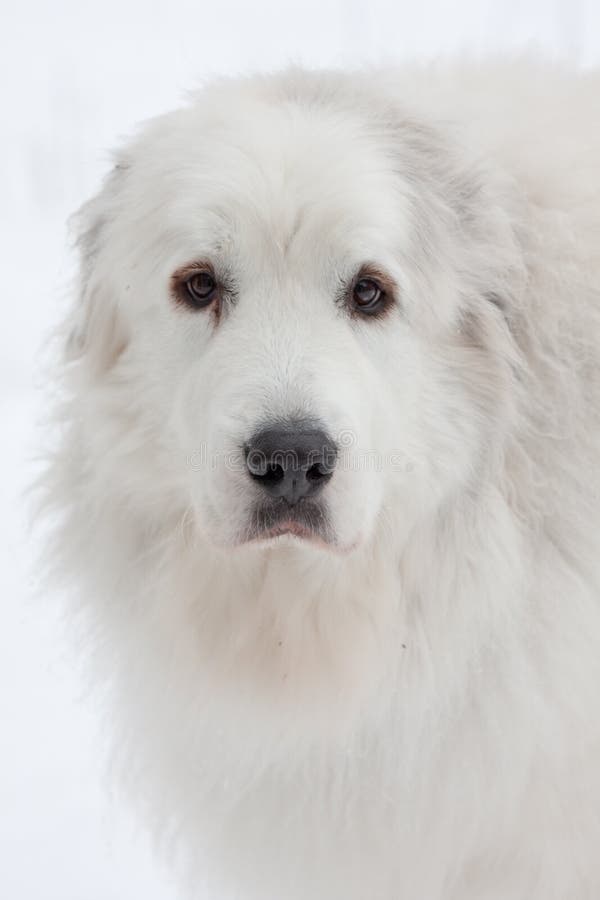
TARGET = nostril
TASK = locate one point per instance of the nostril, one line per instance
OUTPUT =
(273, 474)
(317, 472)
(256, 462)
(262, 468)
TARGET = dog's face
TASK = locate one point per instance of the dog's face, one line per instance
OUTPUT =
(278, 289)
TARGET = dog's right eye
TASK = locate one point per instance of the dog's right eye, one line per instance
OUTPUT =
(194, 287)
(199, 289)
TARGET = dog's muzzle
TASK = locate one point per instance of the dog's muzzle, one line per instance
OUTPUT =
(291, 463)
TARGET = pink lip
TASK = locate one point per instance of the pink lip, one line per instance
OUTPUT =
(300, 531)
(289, 527)
(295, 529)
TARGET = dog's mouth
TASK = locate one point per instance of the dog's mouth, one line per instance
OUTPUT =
(306, 520)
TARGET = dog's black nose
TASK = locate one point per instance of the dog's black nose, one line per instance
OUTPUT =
(291, 461)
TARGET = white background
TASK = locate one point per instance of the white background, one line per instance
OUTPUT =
(75, 76)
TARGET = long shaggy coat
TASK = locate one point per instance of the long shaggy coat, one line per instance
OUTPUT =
(391, 692)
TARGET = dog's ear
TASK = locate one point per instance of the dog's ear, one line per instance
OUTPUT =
(463, 216)
(96, 332)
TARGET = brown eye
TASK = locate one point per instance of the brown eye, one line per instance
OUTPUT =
(198, 290)
(368, 297)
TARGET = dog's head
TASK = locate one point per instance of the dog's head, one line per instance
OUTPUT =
(290, 295)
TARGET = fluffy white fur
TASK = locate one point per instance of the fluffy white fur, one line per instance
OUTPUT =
(412, 713)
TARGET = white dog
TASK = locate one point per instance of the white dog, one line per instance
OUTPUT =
(329, 481)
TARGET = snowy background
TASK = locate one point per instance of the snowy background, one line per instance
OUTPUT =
(75, 76)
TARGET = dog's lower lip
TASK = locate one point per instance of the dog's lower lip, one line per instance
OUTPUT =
(287, 527)
(305, 521)
(290, 528)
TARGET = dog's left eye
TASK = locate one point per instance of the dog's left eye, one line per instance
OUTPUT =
(368, 297)
(372, 292)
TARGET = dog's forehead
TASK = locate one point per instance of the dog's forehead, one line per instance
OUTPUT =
(275, 175)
